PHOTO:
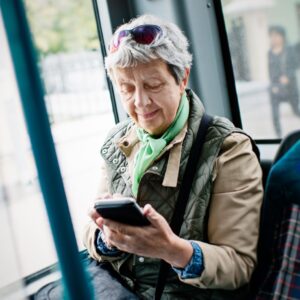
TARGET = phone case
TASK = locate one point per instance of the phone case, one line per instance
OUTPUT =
(124, 211)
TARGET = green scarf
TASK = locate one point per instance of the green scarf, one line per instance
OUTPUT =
(152, 147)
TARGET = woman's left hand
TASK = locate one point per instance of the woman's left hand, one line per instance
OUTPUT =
(155, 240)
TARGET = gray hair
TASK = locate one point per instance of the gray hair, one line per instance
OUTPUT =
(171, 47)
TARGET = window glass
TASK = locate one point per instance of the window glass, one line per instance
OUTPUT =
(265, 51)
(26, 242)
(77, 98)
(80, 114)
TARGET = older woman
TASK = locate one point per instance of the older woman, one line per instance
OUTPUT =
(145, 158)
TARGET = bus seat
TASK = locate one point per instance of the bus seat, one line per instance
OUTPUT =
(286, 144)
(278, 272)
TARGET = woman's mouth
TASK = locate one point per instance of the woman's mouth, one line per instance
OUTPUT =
(148, 116)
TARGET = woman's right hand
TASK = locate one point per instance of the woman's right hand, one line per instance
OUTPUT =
(98, 220)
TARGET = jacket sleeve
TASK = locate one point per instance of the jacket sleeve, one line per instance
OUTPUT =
(233, 223)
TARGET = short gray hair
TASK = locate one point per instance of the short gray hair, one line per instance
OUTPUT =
(171, 47)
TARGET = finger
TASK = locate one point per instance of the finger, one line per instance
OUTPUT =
(107, 233)
(117, 196)
(93, 214)
(153, 216)
(106, 230)
(104, 196)
(99, 222)
(120, 227)
(122, 242)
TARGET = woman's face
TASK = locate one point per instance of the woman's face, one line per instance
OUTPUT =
(150, 94)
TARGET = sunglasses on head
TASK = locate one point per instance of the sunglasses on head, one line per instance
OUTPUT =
(143, 34)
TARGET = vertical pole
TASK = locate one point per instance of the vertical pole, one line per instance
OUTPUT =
(76, 285)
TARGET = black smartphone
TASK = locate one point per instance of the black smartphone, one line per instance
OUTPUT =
(123, 210)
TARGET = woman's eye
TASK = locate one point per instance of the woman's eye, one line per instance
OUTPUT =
(126, 89)
(153, 87)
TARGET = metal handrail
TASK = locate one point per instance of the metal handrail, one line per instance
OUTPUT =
(74, 277)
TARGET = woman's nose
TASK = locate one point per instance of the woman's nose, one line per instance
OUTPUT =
(141, 99)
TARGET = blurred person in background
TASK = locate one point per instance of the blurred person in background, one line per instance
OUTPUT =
(282, 71)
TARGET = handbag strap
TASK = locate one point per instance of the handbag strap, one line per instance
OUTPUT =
(183, 196)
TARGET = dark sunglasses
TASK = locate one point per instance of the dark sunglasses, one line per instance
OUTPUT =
(143, 34)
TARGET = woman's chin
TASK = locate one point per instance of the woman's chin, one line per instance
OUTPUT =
(153, 130)
(155, 126)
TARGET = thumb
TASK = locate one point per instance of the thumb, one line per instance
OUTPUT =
(153, 216)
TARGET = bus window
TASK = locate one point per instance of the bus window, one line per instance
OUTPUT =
(264, 44)
(26, 242)
(76, 95)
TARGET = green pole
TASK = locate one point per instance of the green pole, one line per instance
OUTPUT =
(76, 285)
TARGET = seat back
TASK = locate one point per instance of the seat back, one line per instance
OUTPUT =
(286, 144)
(281, 193)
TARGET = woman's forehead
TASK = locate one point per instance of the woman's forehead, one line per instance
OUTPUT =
(156, 69)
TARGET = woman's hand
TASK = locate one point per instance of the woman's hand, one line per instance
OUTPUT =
(98, 220)
(156, 240)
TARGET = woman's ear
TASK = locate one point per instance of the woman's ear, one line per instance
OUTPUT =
(184, 81)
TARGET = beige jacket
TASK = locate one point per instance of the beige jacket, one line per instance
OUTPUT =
(233, 223)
